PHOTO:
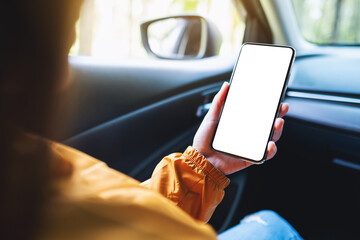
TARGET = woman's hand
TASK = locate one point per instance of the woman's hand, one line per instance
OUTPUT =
(203, 137)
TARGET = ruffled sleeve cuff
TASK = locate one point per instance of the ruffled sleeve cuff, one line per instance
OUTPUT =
(205, 166)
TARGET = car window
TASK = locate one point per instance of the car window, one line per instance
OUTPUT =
(329, 22)
(111, 28)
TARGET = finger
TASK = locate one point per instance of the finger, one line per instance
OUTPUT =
(217, 103)
(284, 108)
(272, 149)
(278, 128)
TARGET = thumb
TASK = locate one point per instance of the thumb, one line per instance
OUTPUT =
(217, 103)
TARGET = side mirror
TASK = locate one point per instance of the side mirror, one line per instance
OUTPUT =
(180, 37)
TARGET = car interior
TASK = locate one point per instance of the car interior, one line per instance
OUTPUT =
(130, 114)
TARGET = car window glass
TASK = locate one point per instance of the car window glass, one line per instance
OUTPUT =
(111, 28)
(329, 22)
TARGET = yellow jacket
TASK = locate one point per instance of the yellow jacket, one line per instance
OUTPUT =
(97, 202)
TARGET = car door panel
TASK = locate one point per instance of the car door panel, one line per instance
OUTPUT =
(133, 138)
(102, 91)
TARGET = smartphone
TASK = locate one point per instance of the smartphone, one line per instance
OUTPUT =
(257, 87)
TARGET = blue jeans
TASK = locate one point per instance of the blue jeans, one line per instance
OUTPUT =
(263, 225)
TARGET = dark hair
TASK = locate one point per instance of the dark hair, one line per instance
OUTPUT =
(35, 38)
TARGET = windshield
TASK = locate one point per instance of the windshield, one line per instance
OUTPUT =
(329, 22)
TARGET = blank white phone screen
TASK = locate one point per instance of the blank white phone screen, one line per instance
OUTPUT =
(252, 102)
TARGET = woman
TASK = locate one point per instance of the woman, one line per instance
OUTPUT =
(51, 191)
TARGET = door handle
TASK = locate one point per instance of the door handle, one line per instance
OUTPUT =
(203, 109)
(208, 96)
